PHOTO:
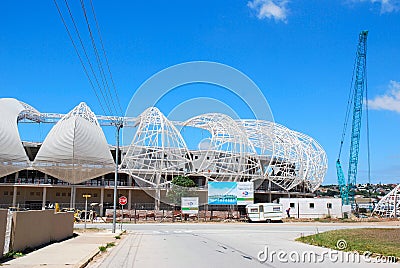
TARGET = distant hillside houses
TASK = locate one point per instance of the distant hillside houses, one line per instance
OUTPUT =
(365, 190)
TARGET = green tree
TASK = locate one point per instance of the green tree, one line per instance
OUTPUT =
(183, 181)
(180, 186)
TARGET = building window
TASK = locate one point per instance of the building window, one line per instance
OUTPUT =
(57, 194)
(5, 193)
(69, 194)
(108, 195)
(292, 205)
(311, 205)
(94, 195)
(329, 205)
(18, 193)
(64, 194)
(38, 193)
(32, 193)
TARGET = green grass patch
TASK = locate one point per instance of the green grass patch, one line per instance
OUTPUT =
(382, 241)
(117, 237)
(111, 244)
(13, 255)
(108, 245)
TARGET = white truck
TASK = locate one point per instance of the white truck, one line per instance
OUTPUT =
(264, 212)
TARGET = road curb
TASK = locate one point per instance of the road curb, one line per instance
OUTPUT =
(95, 253)
(84, 263)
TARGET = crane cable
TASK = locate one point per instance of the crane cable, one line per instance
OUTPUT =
(367, 117)
(348, 109)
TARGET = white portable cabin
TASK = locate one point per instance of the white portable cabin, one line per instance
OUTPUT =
(312, 207)
(264, 212)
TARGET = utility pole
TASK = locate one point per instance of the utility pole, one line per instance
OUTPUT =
(118, 125)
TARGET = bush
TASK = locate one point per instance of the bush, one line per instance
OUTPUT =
(109, 245)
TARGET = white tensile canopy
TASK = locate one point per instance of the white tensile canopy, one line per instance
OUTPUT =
(76, 149)
(12, 154)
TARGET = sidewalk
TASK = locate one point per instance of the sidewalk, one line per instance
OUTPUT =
(74, 252)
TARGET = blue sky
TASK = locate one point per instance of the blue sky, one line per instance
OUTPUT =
(299, 53)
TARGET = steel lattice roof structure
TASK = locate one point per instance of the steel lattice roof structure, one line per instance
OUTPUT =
(389, 205)
(76, 150)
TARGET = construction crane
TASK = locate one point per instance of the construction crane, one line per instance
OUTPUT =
(356, 98)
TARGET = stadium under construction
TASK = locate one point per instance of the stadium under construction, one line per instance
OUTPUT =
(75, 158)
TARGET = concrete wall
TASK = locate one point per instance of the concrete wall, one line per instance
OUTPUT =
(6, 194)
(3, 225)
(35, 228)
(302, 207)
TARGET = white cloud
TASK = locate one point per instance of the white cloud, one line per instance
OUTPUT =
(270, 9)
(386, 6)
(389, 101)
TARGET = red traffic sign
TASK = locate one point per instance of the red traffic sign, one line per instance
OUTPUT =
(123, 200)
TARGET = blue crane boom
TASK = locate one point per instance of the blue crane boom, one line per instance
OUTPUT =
(347, 190)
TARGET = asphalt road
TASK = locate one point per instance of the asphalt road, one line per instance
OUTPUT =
(227, 245)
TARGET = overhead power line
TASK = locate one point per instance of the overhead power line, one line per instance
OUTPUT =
(99, 79)
(87, 57)
(98, 59)
(79, 56)
(105, 56)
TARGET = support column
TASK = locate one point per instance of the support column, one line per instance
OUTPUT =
(44, 198)
(46, 178)
(270, 191)
(102, 180)
(101, 205)
(16, 177)
(14, 204)
(129, 180)
(129, 199)
(157, 199)
(73, 195)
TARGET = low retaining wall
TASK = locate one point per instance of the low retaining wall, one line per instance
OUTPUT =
(35, 228)
(3, 226)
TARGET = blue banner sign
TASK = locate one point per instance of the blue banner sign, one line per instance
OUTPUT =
(222, 193)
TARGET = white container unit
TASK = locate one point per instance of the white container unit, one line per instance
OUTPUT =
(312, 207)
